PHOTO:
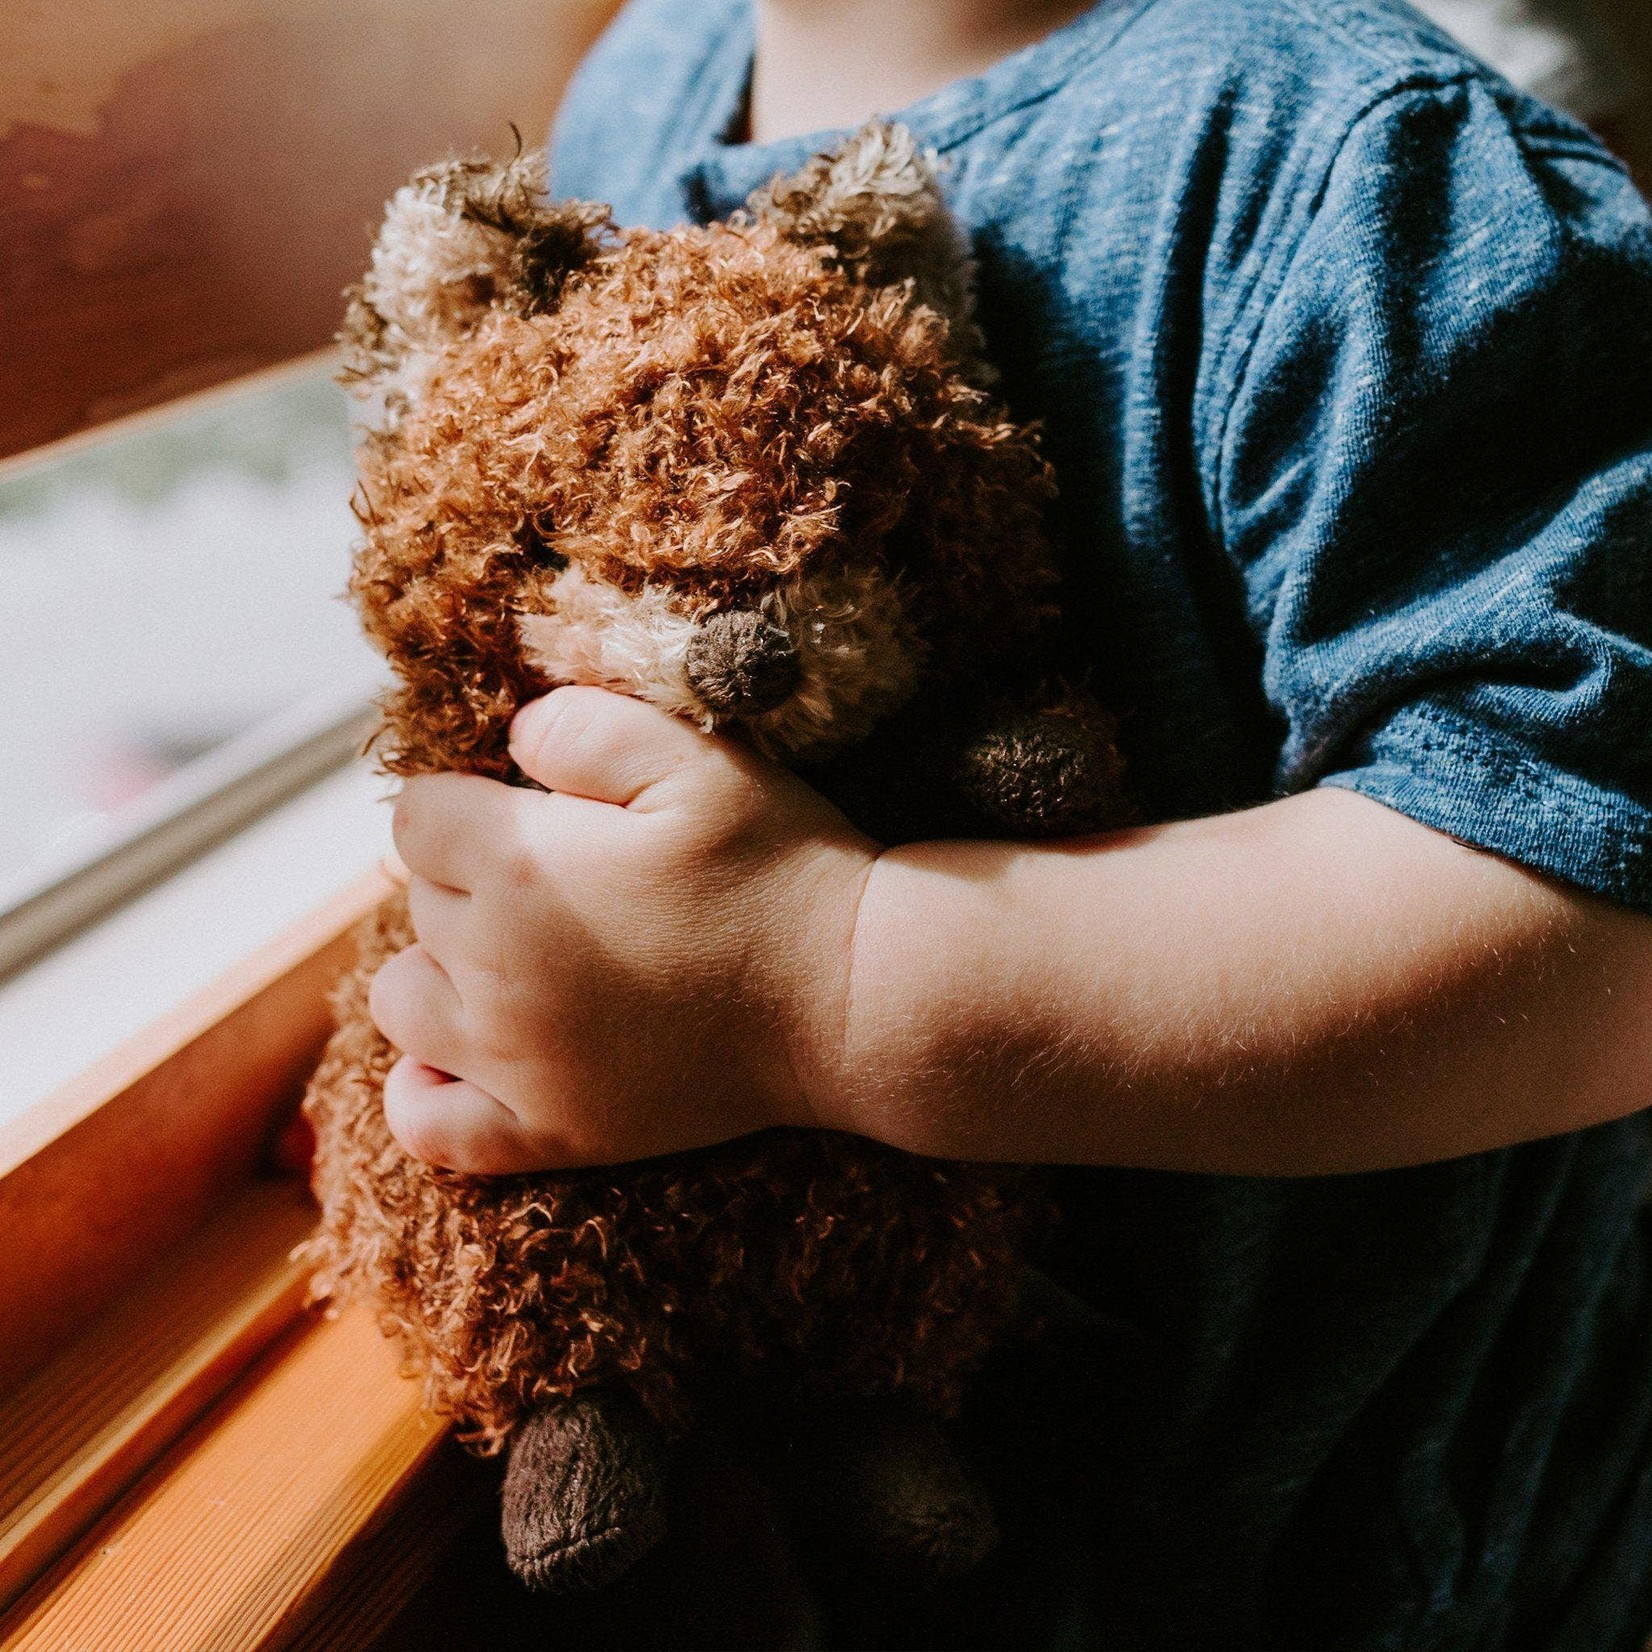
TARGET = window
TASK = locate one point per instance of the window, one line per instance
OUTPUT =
(173, 649)
(182, 199)
(177, 576)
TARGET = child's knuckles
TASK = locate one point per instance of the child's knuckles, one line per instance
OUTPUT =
(425, 1129)
(700, 784)
(450, 1122)
(519, 866)
(407, 1111)
(485, 1157)
(430, 826)
(511, 858)
(387, 999)
(400, 823)
(529, 740)
(495, 1032)
(471, 1152)
(415, 1132)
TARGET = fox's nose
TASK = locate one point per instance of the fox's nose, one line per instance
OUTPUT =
(741, 663)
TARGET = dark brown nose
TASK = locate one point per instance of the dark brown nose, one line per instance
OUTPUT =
(741, 663)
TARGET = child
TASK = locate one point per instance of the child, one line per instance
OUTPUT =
(1343, 350)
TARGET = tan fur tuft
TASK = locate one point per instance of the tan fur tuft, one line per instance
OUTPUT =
(873, 206)
(458, 240)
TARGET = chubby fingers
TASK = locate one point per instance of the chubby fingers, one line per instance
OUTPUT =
(435, 1116)
(438, 915)
(414, 1004)
(444, 825)
(585, 743)
(446, 1121)
(607, 747)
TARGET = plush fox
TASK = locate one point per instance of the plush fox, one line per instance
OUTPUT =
(753, 474)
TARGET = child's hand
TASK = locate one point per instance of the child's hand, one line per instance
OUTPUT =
(651, 956)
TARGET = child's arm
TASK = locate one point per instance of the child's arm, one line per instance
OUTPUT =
(1424, 455)
(1317, 985)
(1320, 984)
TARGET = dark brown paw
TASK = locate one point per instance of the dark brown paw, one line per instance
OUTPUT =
(880, 1486)
(1045, 773)
(584, 1493)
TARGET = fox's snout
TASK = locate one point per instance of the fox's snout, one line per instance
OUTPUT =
(814, 663)
(740, 663)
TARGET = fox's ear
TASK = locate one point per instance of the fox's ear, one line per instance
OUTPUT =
(458, 240)
(874, 207)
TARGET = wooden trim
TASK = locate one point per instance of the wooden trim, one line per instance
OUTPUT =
(186, 185)
(261, 381)
(124, 1162)
(305, 1510)
(207, 1465)
(75, 1436)
(185, 815)
(384, 1570)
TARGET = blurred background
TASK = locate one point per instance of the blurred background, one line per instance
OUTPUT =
(165, 592)
(185, 187)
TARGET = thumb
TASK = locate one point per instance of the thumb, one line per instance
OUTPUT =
(591, 743)
(450, 1123)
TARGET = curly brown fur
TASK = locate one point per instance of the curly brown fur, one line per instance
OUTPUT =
(873, 209)
(711, 408)
(682, 427)
(834, 1265)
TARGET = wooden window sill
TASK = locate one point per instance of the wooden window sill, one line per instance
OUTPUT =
(190, 1458)
(81, 1429)
(304, 1509)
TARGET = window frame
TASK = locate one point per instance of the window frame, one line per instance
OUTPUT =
(105, 1174)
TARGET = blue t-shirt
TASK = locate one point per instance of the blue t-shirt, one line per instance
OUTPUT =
(1343, 353)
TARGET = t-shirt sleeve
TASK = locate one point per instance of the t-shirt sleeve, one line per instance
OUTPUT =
(1435, 478)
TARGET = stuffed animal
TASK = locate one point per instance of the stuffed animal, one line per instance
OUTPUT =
(751, 473)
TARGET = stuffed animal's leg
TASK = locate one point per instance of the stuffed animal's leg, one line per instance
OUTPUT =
(1045, 771)
(879, 1486)
(584, 1493)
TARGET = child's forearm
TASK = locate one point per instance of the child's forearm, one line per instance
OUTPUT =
(1317, 985)
(676, 942)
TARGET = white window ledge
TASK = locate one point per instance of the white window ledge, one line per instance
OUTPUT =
(84, 999)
